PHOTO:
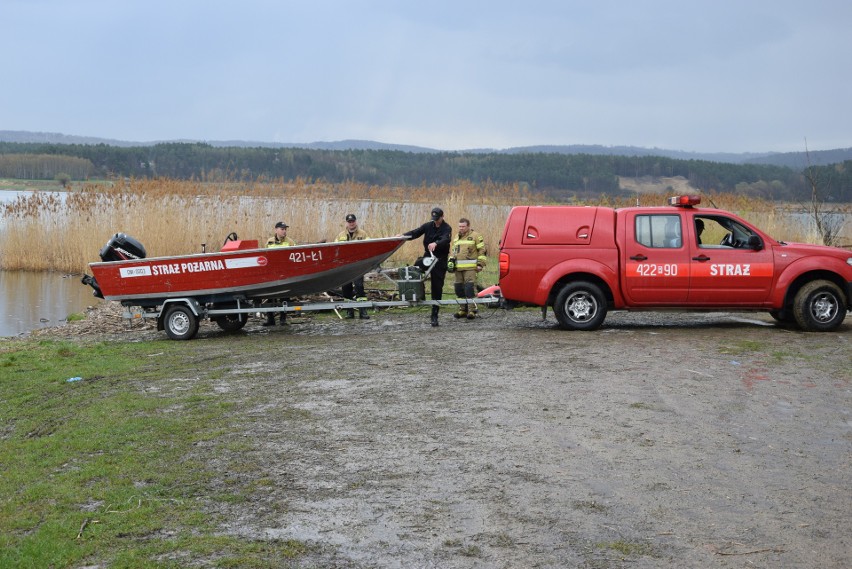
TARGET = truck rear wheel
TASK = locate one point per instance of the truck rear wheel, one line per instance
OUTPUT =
(819, 306)
(180, 322)
(580, 306)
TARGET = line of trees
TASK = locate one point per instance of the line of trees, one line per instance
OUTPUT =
(45, 167)
(560, 175)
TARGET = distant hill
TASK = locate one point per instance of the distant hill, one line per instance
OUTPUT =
(794, 160)
(23, 136)
(599, 150)
(801, 160)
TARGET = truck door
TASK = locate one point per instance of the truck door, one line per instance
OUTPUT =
(655, 259)
(727, 265)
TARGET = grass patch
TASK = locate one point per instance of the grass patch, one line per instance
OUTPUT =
(628, 548)
(98, 471)
(590, 506)
(462, 548)
(742, 347)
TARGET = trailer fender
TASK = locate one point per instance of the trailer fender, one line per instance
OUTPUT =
(193, 305)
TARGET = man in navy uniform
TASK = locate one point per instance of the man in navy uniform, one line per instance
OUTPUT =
(436, 241)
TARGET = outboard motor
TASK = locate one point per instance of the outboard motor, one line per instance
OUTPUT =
(90, 281)
(122, 247)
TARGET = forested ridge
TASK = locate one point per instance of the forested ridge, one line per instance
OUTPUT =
(560, 176)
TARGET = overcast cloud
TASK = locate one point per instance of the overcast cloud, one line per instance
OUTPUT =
(698, 75)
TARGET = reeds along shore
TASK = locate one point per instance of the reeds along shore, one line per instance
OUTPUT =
(44, 232)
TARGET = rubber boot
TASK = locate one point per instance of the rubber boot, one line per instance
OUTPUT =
(459, 290)
(469, 292)
(270, 319)
(362, 313)
(434, 320)
(282, 319)
(350, 313)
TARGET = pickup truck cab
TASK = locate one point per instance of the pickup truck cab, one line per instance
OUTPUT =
(584, 261)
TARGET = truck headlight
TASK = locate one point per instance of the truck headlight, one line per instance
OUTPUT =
(849, 261)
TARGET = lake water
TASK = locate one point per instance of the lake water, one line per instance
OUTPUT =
(37, 300)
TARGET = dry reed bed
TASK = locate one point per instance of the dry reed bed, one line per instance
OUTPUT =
(44, 232)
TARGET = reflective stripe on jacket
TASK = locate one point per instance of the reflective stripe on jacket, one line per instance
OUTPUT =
(469, 251)
(465, 264)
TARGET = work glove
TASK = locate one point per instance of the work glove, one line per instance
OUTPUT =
(451, 266)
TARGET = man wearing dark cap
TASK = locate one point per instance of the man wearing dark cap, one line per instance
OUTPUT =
(280, 239)
(436, 240)
(355, 289)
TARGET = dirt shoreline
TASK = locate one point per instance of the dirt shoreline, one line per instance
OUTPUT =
(661, 440)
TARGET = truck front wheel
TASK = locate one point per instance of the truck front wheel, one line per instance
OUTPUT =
(580, 306)
(819, 306)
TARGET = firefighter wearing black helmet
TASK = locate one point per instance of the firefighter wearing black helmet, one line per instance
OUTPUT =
(436, 241)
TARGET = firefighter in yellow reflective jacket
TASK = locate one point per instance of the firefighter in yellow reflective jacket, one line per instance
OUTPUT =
(280, 239)
(467, 257)
(355, 289)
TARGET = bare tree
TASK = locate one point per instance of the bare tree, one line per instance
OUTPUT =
(827, 224)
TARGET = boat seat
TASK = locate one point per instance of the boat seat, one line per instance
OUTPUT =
(239, 245)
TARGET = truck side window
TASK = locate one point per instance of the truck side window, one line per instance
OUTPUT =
(659, 231)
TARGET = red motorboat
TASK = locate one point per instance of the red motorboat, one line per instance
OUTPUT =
(240, 280)
(240, 270)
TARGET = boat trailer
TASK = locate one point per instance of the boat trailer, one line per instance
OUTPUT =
(180, 317)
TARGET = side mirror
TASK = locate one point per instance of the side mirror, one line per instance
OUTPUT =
(755, 242)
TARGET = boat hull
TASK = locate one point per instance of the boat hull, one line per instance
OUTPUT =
(276, 272)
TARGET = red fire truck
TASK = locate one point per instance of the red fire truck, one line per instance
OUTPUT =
(584, 261)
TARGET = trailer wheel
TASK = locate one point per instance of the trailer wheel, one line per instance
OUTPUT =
(580, 306)
(180, 322)
(819, 306)
(231, 322)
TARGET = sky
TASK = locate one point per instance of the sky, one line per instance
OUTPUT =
(690, 75)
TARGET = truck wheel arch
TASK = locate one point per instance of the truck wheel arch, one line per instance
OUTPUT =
(585, 277)
(789, 291)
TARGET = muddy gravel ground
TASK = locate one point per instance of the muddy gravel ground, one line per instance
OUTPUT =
(661, 440)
